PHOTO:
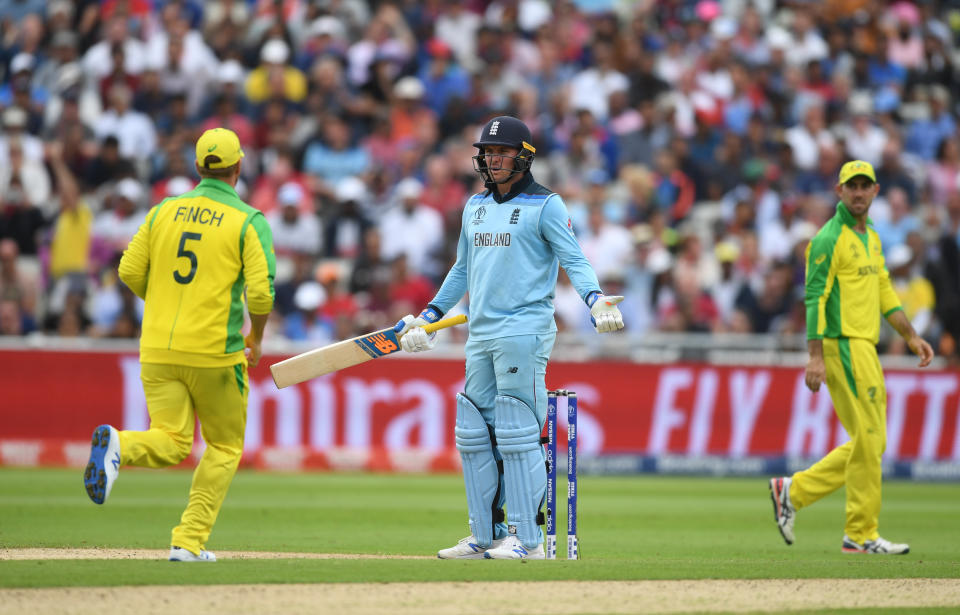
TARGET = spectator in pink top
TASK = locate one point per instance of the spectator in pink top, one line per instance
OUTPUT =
(943, 173)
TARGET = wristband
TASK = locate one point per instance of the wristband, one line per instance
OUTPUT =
(592, 297)
(431, 314)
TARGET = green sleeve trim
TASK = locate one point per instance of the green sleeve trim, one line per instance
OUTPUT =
(243, 234)
(156, 210)
(888, 312)
(265, 235)
(819, 263)
(235, 317)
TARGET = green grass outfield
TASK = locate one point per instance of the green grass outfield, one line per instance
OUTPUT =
(631, 528)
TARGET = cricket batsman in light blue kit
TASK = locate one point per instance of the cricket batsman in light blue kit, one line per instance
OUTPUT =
(513, 237)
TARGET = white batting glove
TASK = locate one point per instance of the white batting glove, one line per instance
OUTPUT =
(412, 336)
(405, 324)
(604, 313)
(418, 340)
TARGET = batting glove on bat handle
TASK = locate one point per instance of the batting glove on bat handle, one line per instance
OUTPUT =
(604, 313)
(427, 316)
(410, 329)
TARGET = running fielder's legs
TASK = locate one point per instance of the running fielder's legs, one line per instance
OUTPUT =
(220, 395)
(170, 437)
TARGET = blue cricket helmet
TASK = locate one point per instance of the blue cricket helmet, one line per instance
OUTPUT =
(510, 132)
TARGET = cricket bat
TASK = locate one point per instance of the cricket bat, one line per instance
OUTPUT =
(347, 353)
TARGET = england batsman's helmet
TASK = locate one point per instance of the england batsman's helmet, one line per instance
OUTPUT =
(508, 131)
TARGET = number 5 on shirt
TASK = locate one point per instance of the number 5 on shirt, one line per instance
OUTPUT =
(345, 354)
(182, 252)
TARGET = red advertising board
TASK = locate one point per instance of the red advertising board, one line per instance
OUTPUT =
(403, 404)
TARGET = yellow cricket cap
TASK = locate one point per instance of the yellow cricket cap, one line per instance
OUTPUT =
(854, 168)
(220, 142)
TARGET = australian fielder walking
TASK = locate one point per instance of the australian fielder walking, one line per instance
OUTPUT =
(847, 289)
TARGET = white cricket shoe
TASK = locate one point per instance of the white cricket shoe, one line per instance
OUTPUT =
(467, 548)
(104, 464)
(178, 554)
(880, 545)
(783, 510)
(512, 548)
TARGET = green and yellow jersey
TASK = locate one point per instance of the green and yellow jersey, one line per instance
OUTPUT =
(191, 260)
(848, 285)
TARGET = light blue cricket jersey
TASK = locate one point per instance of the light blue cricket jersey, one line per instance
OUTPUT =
(507, 259)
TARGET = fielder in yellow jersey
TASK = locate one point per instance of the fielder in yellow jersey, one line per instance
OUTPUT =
(847, 288)
(193, 261)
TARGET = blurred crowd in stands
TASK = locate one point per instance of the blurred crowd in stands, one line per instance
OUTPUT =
(696, 144)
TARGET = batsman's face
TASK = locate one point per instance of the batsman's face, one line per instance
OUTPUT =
(500, 159)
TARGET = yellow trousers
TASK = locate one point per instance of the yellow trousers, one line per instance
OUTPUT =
(176, 397)
(855, 382)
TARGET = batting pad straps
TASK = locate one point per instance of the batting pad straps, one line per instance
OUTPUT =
(481, 475)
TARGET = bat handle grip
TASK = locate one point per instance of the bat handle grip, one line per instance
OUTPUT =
(445, 322)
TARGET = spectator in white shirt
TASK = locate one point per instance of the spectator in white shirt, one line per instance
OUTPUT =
(864, 139)
(608, 246)
(296, 229)
(806, 139)
(804, 43)
(590, 88)
(184, 62)
(113, 229)
(457, 26)
(29, 173)
(413, 229)
(14, 130)
(98, 61)
(134, 130)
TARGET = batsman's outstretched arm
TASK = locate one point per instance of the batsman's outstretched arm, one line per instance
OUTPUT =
(347, 353)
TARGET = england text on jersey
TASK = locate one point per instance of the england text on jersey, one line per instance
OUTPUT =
(486, 240)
